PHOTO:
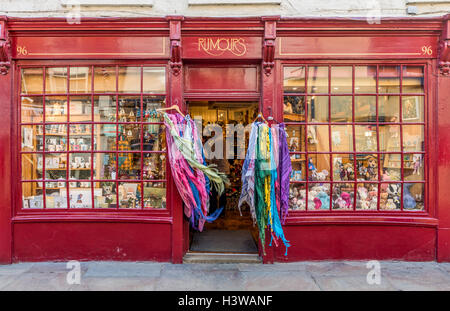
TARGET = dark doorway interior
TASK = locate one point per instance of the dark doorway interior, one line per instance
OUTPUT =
(231, 232)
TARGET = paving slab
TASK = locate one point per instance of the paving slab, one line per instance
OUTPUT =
(39, 282)
(351, 283)
(111, 269)
(278, 281)
(195, 280)
(116, 284)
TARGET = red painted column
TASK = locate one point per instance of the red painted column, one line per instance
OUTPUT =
(443, 116)
(179, 235)
(5, 150)
(268, 94)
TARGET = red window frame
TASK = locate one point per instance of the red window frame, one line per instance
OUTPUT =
(428, 124)
(16, 139)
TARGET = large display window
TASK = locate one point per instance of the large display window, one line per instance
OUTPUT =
(356, 134)
(91, 137)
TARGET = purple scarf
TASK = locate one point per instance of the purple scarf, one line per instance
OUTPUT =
(284, 172)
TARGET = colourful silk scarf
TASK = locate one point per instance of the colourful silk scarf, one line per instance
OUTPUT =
(265, 180)
(190, 173)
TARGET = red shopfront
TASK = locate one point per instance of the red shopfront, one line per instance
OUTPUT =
(364, 104)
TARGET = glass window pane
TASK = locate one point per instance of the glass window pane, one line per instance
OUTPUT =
(389, 137)
(367, 196)
(318, 196)
(32, 109)
(56, 137)
(32, 166)
(80, 80)
(104, 79)
(342, 138)
(32, 81)
(389, 108)
(150, 104)
(294, 79)
(341, 79)
(80, 137)
(413, 196)
(298, 163)
(317, 79)
(80, 109)
(129, 166)
(129, 108)
(55, 166)
(155, 195)
(294, 108)
(105, 194)
(318, 138)
(319, 167)
(413, 138)
(129, 79)
(297, 197)
(105, 166)
(365, 109)
(413, 78)
(80, 195)
(365, 138)
(105, 137)
(343, 195)
(413, 167)
(56, 80)
(389, 79)
(80, 166)
(367, 167)
(32, 137)
(390, 196)
(343, 167)
(32, 195)
(317, 109)
(412, 109)
(341, 109)
(154, 166)
(55, 109)
(55, 194)
(130, 195)
(129, 137)
(154, 80)
(154, 137)
(391, 167)
(295, 137)
(365, 79)
(105, 108)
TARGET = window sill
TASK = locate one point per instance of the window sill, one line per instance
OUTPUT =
(415, 219)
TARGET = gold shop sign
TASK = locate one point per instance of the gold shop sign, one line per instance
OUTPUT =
(218, 46)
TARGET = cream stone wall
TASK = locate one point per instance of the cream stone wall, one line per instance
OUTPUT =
(298, 8)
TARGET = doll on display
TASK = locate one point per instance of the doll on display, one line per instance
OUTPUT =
(417, 164)
(393, 191)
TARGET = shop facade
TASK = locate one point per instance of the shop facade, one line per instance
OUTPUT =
(83, 154)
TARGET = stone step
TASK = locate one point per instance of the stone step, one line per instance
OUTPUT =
(202, 257)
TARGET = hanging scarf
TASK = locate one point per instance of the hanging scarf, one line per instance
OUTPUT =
(264, 188)
(190, 173)
(284, 168)
(248, 174)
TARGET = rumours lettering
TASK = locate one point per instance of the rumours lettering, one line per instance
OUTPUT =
(218, 46)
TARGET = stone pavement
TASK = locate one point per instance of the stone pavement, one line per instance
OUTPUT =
(320, 275)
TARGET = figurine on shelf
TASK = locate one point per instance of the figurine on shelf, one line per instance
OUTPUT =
(393, 191)
(311, 167)
(417, 160)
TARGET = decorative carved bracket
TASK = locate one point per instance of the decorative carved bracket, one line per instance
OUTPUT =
(270, 34)
(175, 44)
(444, 48)
(5, 49)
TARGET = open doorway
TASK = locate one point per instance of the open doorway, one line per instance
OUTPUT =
(231, 232)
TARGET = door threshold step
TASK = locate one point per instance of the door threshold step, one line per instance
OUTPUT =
(202, 257)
